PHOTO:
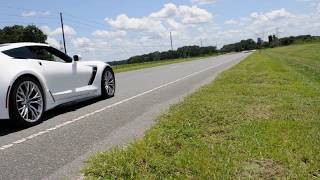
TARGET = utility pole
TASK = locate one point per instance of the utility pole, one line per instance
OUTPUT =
(200, 42)
(64, 40)
(171, 41)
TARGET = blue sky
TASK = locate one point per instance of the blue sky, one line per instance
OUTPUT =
(114, 29)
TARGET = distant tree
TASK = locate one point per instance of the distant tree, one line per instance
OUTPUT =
(243, 45)
(270, 39)
(17, 33)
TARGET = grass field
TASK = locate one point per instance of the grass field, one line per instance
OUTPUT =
(137, 66)
(261, 119)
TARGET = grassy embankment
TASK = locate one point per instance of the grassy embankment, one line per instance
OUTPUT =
(261, 119)
(137, 66)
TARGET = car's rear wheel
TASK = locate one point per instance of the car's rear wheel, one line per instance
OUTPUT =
(27, 102)
(108, 84)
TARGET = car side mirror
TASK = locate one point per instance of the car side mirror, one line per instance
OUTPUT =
(76, 57)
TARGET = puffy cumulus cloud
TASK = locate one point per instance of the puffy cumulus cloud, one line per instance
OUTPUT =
(109, 34)
(194, 15)
(158, 24)
(45, 29)
(35, 13)
(126, 23)
(230, 22)
(53, 42)
(68, 30)
(275, 15)
(173, 24)
(146, 24)
(264, 21)
(185, 14)
(169, 10)
(83, 44)
(262, 24)
(204, 1)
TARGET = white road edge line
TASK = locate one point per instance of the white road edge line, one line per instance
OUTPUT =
(105, 108)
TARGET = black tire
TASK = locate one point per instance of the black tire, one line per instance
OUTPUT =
(14, 103)
(108, 90)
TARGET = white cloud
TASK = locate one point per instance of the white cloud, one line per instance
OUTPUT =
(83, 44)
(194, 15)
(174, 24)
(109, 34)
(169, 10)
(144, 24)
(45, 29)
(261, 24)
(186, 14)
(126, 23)
(35, 13)
(230, 22)
(204, 1)
(274, 15)
(53, 42)
(158, 24)
(68, 30)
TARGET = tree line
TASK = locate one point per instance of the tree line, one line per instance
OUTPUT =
(32, 33)
(183, 52)
(273, 41)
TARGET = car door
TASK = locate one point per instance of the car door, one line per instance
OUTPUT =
(81, 74)
(67, 79)
(58, 72)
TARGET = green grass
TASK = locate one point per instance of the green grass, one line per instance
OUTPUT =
(137, 66)
(261, 119)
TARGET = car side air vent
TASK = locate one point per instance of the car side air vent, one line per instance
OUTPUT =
(93, 76)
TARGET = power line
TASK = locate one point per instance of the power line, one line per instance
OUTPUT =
(86, 20)
(77, 23)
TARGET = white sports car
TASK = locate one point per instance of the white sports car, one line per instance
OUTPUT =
(37, 77)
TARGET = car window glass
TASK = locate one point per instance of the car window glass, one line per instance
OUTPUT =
(19, 53)
(59, 55)
(45, 53)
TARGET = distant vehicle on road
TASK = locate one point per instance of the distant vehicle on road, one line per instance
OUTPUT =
(36, 77)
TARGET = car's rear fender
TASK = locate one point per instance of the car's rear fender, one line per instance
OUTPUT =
(101, 66)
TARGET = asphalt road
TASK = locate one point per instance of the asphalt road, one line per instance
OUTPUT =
(57, 148)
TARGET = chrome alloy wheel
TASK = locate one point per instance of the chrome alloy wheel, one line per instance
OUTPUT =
(29, 101)
(109, 83)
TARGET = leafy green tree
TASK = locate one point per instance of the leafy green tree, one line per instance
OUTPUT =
(243, 45)
(18, 33)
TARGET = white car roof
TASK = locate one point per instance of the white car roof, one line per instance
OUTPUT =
(4, 47)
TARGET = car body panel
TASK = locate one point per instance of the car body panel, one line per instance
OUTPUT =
(61, 82)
